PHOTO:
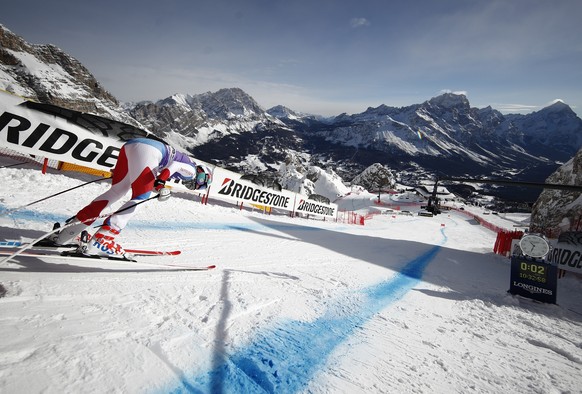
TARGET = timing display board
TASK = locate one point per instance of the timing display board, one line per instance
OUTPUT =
(533, 278)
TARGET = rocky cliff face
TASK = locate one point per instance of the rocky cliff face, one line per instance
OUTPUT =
(46, 74)
(374, 178)
(560, 210)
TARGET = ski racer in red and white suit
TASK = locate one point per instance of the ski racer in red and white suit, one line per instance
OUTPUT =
(143, 165)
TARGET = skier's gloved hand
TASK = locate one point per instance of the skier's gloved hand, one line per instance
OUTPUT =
(163, 194)
(190, 184)
(159, 184)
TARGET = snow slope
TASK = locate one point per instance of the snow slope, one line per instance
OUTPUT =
(403, 304)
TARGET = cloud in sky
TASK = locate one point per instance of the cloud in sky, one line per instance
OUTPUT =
(463, 92)
(359, 22)
(303, 53)
(515, 108)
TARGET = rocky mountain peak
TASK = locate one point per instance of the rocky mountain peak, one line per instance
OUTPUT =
(280, 111)
(449, 101)
(11, 41)
(202, 117)
(179, 99)
(230, 103)
(47, 74)
(381, 110)
(559, 108)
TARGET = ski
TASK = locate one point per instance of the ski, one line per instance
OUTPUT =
(147, 252)
(57, 228)
(136, 252)
(74, 256)
(19, 244)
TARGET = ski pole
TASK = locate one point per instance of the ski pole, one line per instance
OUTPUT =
(8, 212)
(31, 244)
(11, 165)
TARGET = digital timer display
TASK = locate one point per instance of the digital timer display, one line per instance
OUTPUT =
(533, 271)
(533, 278)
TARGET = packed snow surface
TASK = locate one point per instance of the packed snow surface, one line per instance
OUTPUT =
(403, 304)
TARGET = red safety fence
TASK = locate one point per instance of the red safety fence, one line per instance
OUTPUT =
(480, 220)
(503, 241)
(351, 218)
(504, 236)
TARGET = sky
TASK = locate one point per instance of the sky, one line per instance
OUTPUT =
(322, 57)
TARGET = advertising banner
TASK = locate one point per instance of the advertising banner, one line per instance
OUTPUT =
(63, 135)
(228, 185)
(566, 253)
(312, 207)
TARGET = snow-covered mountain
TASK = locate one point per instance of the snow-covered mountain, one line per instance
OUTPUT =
(203, 117)
(447, 134)
(444, 135)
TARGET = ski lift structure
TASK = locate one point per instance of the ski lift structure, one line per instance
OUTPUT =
(434, 202)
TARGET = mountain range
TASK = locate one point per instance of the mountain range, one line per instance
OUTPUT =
(443, 136)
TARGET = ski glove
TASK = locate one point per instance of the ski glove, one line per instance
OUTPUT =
(159, 184)
(164, 194)
(190, 184)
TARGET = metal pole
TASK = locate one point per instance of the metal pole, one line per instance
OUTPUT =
(8, 212)
(572, 188)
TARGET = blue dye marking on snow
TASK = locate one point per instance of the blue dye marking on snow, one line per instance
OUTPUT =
(284, 359)
(35, 216)
(219, 226)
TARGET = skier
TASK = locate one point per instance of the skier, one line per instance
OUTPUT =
(143, 165)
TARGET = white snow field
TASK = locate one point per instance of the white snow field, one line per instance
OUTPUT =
(403, 304)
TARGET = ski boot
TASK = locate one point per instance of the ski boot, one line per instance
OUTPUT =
(63, 238)
(102, 244)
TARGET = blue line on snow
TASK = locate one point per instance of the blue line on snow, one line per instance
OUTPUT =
(24, 214)
(49, 218)
(284, 359)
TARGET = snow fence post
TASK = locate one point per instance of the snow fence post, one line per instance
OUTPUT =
(44, 165)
